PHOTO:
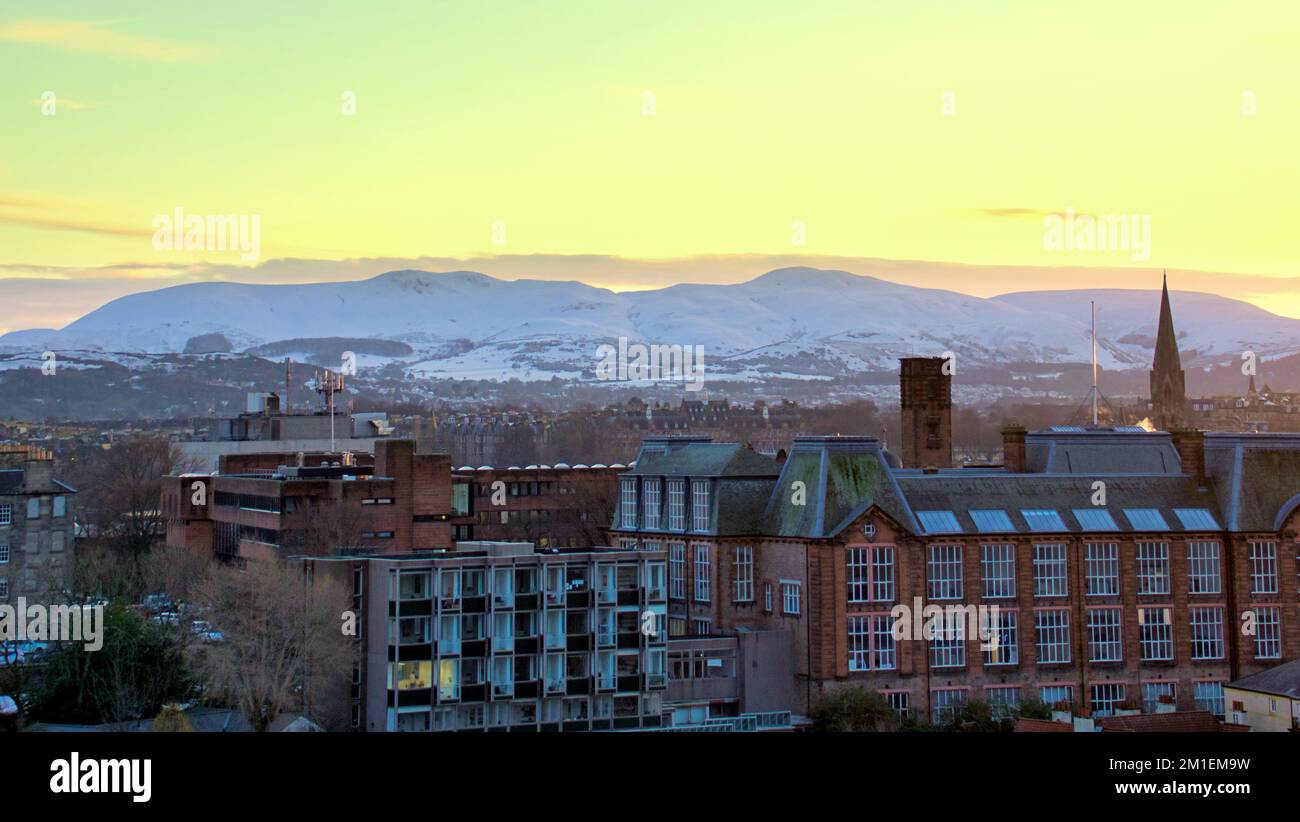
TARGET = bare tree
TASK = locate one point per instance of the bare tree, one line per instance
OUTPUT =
(282, 648)
(324, 528)
(119, 502)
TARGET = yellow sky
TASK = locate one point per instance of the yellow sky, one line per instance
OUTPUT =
(661, 132)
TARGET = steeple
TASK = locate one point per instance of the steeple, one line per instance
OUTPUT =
(1168, 384)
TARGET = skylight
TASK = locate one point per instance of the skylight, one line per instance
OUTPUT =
(1042, 519)
(992, 521)
(1196, 519)
(1095, 519)
(939, 522)
(1146, 519)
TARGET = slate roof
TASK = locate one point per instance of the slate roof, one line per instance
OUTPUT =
(697, 457)
(1280, 680)
(1257, 476)
(964, 490)
(1102, 451)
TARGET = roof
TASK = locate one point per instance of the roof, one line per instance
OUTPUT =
(1173, 722)
(1080, 450)
(1257, 476)
(1024, 725)
(1280, 680)
(697, 457)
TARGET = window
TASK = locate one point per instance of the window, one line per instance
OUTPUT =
(871, 573)
(650, 498)
(994, 521)
(1209, 697)
(6, 513)
(1107, 697)
(60, 506)
(699, 505)
(677, 570)
(34, 508)
(1004, 702)
(701, 572)
(1095, 519)
(948, 647)
(1002, 647)
(1268, 633)
(1203, 567)
(790, 597)
(1101, 561)
(1263, 567)
(1053, 695)
(1105, 635)
(998, 563)
(1155, 694)
(744, 573)
(1156, 634)
(899, 701)
(4, 553)
(1146, 519)
(1196, 519)
(939, 522)
(676, 505)
(1050, 570)
(1047, 520)
(945, 572)
(627, 504)
(1052, 629)
(4, 588)
(1207, 633)
(767, 597)
(945, 703)
(871, 643)
(1153, 567)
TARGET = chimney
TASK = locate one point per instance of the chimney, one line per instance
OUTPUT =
(38, 474)
(1191, 452)
(925, 400)
(1013, 448)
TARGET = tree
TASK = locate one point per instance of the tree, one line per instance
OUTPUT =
(119, 495)
(852, 708)
(281, 648)
(140, 666)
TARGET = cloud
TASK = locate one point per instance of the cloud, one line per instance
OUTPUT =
(64, 102)
(1000, 213)
(90, 37)
(65, 224)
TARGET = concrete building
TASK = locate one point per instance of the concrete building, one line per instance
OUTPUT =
(507, 637)
(37, 526)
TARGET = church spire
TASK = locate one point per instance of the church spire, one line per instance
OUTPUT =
(1168, 387)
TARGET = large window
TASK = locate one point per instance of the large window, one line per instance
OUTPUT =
(1052, 630)
(677, 570)
(4, 553)
(650, 499)
(1263, 567)
(6, 513)
(1107, 697)
(998, 562)
(1155, 694)
(1102, 566)
(871, 643)
(1203, 567)
(1004, 701)
(699, 505)
(1268, 632)
(1003, 644)
(1209, 697)
(948, 648)
(702, 571)
(1105, 636)
(1207, 632)
(743, 566)
(1053, 695)
(627, 504)
(676, 505)
(1156, 634)
(871, 574)
(945, 572)
(1153, 567)
(1050, 570)
(791, 597)
(945, 703)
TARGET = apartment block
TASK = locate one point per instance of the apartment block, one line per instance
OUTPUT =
(504, 636)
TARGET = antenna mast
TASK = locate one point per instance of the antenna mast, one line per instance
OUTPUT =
(1093, 303)
(329, 385)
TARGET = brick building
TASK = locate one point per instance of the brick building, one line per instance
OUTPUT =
(275, 504)
(37, 526)
(925, 400)
(1123, 563)
(549, 505)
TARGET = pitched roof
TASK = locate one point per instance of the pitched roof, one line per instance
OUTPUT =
(1280, 680)
(1024, 725)
(698, 457)
(1257, 476)
(842, 477)
(1173, 722)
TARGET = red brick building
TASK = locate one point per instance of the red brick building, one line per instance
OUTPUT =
(1124, 565)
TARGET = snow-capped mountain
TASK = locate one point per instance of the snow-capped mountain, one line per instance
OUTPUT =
(795, 322)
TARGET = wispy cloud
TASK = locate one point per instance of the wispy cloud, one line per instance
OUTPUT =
(64, 102)
(1000, 213)
(92, 37)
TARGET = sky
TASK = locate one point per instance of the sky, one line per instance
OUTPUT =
(635, 145)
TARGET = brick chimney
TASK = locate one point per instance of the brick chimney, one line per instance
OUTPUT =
(1191, 452)
(1013, 448)
(925, 400)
